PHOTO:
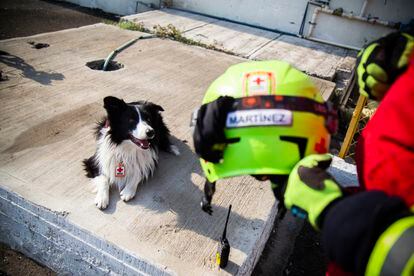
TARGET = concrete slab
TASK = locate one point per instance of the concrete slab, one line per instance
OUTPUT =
(231, 37)
(326, 88)
(239, 39)
(314, 58)
(47, 112)
(317, 59)
(344, 173)
(183, 21)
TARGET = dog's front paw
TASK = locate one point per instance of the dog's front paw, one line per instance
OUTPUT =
(102, 200)
(128, 193)
(174, 150)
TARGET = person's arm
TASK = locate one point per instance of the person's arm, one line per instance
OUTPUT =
(351, 226)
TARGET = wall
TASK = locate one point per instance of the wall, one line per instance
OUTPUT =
(121, 7)
(50, 239)
(283, 15)
(286, 16)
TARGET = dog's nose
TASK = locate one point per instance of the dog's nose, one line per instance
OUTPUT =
(150, 133)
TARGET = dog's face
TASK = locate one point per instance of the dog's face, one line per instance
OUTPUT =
(132, 121)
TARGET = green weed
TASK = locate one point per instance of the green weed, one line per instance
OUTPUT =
(169, 32)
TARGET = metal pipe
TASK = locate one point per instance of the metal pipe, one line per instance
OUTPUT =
(333, 43)
(345, 15)
(360, 18)
(313, 21)
(302, 24)
(364, 8)
(121, 48)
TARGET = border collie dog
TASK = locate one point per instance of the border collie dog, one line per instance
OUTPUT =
(128, 141)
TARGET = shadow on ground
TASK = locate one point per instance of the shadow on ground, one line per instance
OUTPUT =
(175, 176)
(56, 129)
(28, 71)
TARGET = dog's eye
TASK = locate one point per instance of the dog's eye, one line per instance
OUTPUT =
(131, 121)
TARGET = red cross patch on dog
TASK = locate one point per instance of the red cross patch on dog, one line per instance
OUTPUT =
(120, 170)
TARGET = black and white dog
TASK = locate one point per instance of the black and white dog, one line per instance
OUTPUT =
(128, 141)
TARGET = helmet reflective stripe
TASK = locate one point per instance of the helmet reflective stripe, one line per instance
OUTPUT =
(291, 103)
(393, 253)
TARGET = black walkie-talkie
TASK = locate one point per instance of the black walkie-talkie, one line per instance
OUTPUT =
(223, 249)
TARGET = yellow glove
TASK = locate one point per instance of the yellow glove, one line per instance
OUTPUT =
(381, 62)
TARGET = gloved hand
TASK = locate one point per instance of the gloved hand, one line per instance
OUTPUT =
(310, 189)
(381, 62)
(209, 138)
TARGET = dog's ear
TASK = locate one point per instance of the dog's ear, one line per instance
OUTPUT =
(156, 107)
(114, 104)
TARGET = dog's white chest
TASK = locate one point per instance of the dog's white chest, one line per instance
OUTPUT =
(126, 162)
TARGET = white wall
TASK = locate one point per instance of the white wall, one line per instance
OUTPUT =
(287, 15)
(121, 7)
(284, 15)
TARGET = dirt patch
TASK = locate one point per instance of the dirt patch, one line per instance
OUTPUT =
(36, 45)
(15, 263)
(29, 17)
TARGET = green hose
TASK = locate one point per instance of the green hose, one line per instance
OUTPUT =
(122, 47)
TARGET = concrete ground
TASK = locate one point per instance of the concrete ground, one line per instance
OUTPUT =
(34, 140)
